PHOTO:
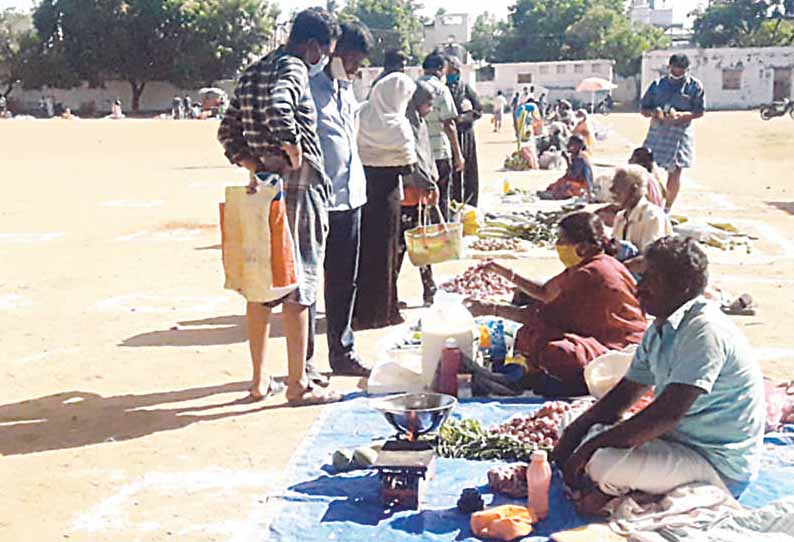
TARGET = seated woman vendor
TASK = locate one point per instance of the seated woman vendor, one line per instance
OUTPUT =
(578, 178)
(706, 423)
(587, 310)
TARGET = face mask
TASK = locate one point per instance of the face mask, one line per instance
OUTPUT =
(568, 255)
(338, 69)
(315, 69)
(453, 78)
(677, 77)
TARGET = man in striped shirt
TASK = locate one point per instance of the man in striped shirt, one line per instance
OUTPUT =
(271, 127)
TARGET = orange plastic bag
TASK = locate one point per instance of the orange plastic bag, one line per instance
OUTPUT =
(506, 522)
(258, 252)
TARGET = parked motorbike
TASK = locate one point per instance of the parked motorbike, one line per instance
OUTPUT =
(777, 109)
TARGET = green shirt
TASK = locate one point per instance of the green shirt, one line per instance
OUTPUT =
(698, 345)
(443, 110)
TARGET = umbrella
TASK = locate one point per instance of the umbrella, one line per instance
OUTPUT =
(211, 92)
(593, 85)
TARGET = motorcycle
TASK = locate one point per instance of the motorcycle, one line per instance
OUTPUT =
(777, 109)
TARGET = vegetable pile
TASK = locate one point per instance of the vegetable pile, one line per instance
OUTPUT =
(539, 228)
(496, 244)
(476, 283)
(514, 440)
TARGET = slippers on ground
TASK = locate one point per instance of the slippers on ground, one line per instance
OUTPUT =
(273, 388)
(741, 306)
(313, 396)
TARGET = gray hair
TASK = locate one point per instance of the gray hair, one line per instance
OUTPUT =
(636, 175)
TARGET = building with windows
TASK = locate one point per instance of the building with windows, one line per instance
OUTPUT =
(558, 79)
(740, 78)
(447, 28)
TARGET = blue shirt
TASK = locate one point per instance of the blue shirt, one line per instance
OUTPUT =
(682, 95)
(337, 108)
(699, 346)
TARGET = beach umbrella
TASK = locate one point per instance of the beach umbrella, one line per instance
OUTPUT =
(211, 92)
(593, 85)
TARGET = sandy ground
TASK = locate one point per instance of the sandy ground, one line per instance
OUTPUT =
(122, 356)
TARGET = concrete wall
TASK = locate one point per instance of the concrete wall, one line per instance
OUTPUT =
(157, 96)
(559, 79)
(628, 90)
(455, 25)
(757, 67)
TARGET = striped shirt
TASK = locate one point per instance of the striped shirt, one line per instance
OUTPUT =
(272, 105)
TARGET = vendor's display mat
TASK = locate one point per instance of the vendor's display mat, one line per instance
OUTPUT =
(319, 505)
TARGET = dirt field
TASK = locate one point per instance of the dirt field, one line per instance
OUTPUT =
(122, 356)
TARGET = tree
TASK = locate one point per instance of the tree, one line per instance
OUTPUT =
(745, 23)
(484, 38)
(221, 36)
(604, 33)
(140, 41)
(536, 28)
(393, 23)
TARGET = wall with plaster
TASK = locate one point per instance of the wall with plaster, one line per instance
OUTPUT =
(757, 66)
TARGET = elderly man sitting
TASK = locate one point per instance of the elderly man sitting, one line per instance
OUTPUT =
(638, 222)
(707, 421)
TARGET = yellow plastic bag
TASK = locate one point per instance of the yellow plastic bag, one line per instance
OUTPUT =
(258, 253)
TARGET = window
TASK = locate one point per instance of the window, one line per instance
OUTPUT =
(578, 68)
(486, 73)
(596, 68)
(560, 68)
(544, 70)
(524, 77)
(732, 79)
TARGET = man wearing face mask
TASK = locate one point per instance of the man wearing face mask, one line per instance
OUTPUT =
(269, 128)
(332, 90)
(672, 103)
(571, 319)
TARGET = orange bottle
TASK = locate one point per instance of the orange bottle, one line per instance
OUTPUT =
(538, 483)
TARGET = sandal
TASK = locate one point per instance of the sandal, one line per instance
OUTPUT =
(274, 388)
(741, 306)
(312, 396)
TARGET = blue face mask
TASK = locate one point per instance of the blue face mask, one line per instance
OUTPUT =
(453, 77)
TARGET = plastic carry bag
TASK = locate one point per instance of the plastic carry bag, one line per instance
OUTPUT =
(258, 252)
(603, 373)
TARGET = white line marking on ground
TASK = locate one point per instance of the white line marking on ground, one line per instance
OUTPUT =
(179, 234)
(130, 204)
(28, 238)
(113, 513)
(10, 302)
(146, 303)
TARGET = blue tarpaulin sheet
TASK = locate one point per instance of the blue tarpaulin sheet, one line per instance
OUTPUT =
(321, 505)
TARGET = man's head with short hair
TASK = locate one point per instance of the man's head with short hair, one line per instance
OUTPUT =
(313, 35)
(679, 64)
(353, 46)
(629, 185)
(394, 61)
(677, 271)
(434, 64)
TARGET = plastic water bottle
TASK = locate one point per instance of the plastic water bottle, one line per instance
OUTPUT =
(498, 345)
(451, 361)
(538, 483)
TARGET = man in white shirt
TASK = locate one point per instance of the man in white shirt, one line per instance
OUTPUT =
(639, 222)
(499, 104)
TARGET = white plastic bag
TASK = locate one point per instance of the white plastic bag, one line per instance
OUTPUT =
(400, 374)
(258, 252)
(603, 373)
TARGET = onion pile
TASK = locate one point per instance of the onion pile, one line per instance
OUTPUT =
(542, 428)
(476, 283)
(495, 244)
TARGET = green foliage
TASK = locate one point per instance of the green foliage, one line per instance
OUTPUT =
(605, 33)
(184, 41)
(484, 38)
(394, 24)
(745, 23)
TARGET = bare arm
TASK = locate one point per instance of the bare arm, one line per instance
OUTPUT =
(659, 418)
(545, 293)
(452, 133)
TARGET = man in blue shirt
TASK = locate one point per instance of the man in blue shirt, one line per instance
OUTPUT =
(706, 423)
(672, 103)
(332, 90)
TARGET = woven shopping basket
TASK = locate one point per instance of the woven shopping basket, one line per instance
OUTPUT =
(430, 244)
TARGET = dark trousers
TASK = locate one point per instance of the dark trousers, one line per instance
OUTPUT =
(444, 168)
(342, 248)
(466, 183)
(376, 303)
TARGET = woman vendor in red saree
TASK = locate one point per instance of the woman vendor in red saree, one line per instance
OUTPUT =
(582, 313)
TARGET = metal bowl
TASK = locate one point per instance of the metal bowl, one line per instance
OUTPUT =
(415, 414)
